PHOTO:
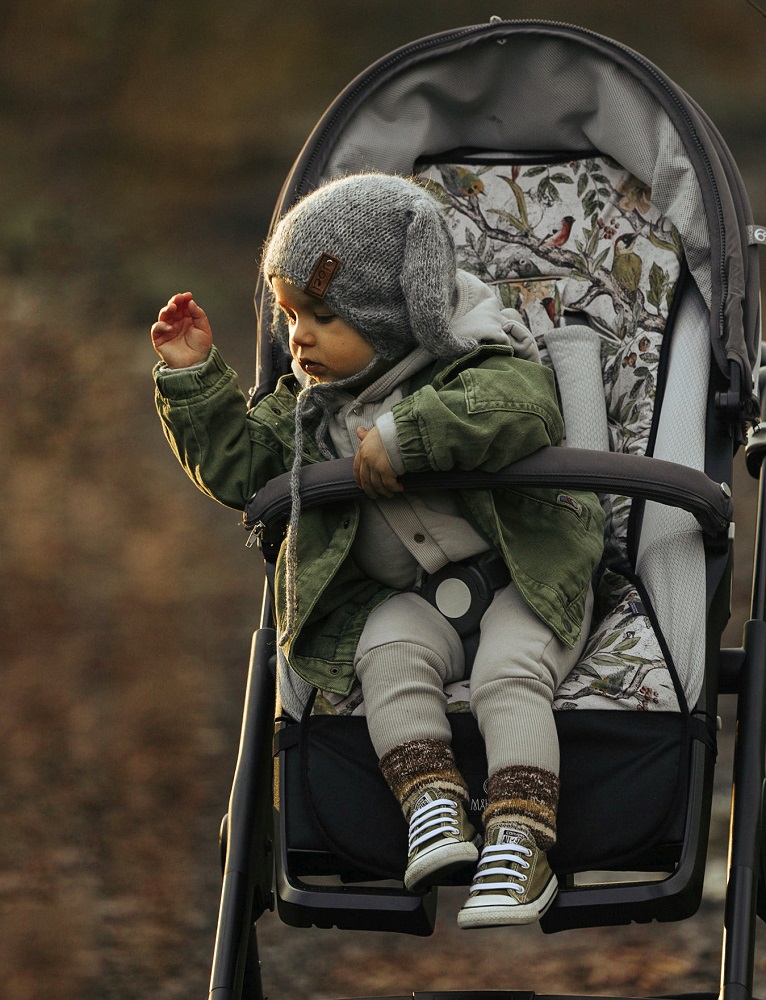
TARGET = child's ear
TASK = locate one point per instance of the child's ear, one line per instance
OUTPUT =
(428, 282)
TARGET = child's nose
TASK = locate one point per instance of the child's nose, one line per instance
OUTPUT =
(303, 333)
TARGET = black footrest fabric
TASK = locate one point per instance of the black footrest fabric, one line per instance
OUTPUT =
(623, 790)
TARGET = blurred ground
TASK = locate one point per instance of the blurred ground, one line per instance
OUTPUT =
(142, 147)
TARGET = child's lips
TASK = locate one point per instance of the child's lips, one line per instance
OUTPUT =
(309, 366)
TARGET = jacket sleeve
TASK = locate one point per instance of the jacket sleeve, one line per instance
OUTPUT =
(205, 419)
(480, 417)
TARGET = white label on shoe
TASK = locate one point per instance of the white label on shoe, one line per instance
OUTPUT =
(508, 836)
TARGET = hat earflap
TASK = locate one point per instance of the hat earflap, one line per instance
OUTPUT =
(428, 281)
(280, 335)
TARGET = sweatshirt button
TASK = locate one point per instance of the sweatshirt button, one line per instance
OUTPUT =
(420, 538)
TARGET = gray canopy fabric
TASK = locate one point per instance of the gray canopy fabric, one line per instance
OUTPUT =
(540, 88)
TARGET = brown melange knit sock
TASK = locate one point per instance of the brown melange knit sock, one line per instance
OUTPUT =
(524, 796)
(420, 764)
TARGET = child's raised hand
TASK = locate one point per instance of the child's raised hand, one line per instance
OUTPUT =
(373, 471)
(182, 335)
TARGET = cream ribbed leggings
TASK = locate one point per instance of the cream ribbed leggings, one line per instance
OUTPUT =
(408, 651)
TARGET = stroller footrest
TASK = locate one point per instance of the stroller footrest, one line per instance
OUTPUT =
(355, 908)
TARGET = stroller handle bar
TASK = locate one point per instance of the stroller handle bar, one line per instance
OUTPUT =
(639, 476)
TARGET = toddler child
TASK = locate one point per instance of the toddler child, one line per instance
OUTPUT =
(408, 363)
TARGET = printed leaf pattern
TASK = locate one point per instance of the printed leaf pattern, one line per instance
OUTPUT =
(552, 240)
(623, 666)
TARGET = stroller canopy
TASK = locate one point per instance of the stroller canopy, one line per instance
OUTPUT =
(478, 89)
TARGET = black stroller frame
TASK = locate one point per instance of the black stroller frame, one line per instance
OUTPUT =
(262, 863)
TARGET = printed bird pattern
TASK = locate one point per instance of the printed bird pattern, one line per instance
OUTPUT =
(553, 240)
(580, 237)
(561, 236)
(587, 223)
(627, 266)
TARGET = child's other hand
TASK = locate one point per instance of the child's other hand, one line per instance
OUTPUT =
(182, 335)
(373, 471)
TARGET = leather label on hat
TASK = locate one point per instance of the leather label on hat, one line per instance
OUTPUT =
(325, 269)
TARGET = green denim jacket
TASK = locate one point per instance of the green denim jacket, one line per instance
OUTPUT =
(483, 410)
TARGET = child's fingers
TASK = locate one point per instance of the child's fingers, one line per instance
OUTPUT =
(392, 484)
(375, 481)
(386, 482)
(373, 471)
(358, 469)
(198, 316)
(170, 312)
(176, 306)
(161, 333)
(362, 475)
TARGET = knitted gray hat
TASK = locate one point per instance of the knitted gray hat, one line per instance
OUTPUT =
(376, 249)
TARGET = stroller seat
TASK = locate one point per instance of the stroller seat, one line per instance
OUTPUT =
(599, 203)
(607, 334)
(604, 339)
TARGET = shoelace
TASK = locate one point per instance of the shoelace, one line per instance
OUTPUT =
(435, 819)
(501, 852)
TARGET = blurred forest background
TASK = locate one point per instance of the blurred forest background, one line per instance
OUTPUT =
(142, 147)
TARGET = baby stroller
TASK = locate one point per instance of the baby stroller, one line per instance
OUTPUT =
(598, 200)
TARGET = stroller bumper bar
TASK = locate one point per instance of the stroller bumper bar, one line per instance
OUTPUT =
(576, 468)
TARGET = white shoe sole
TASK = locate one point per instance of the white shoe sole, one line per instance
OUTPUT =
(499, 911)
(441, 861)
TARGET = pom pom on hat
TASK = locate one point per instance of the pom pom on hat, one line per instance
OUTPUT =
(376, 249)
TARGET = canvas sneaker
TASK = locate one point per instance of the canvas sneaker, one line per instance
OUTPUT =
(441, 839)
(513, 884)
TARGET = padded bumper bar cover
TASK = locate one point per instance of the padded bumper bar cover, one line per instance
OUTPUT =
(576, 468)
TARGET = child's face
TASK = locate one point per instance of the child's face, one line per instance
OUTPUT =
(325, 346)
